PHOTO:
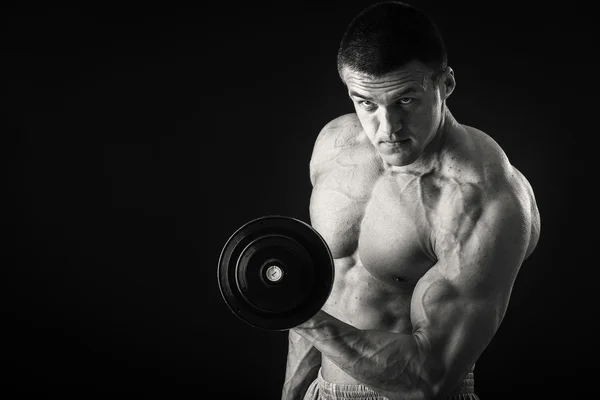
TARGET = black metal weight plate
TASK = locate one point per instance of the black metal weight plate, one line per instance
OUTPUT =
(275, 272)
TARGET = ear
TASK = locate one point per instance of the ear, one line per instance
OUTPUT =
(447, 83)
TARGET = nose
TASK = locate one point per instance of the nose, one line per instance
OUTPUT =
(390, 121)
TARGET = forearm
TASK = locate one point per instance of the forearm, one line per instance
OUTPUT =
(387, 362)
(303, 363)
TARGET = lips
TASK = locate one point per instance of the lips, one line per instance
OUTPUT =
(395, 141)
(393, 146)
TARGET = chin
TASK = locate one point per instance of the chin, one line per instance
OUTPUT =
(397, 160)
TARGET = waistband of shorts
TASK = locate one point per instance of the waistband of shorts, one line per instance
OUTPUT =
(357, 392)
(466, 386)
(345, 391)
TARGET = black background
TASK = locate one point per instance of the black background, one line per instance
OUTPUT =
(138, 140)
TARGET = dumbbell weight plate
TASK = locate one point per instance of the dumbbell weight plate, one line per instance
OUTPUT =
(275, 272)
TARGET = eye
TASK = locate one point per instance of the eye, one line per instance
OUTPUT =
(405, 100)
(369, 105)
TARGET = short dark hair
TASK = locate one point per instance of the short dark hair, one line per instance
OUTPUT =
(386, 36)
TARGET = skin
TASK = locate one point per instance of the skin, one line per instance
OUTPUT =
(428, 234)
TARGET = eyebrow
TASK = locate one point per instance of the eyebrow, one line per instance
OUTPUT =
(398, 95)
(354, 94)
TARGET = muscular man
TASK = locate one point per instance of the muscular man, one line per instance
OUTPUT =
(427, 220)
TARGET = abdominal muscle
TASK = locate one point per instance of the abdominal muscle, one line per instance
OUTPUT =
(359, 299)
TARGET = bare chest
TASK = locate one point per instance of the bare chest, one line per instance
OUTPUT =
(376, 221)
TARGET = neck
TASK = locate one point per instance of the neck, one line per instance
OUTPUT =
(429, 159)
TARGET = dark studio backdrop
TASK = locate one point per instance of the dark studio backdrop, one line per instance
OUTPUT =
(137, 141)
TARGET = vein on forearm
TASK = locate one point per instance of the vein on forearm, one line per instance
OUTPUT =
(382, 360)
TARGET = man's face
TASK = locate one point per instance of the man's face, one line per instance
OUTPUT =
(400, 112)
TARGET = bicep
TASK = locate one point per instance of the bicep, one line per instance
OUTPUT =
(458, 305)
(451, 329)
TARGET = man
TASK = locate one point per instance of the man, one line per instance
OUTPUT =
(426, 218)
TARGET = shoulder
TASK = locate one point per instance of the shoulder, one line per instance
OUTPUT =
(336, 136)
(470, 155)
(483, 187)
(474, 160)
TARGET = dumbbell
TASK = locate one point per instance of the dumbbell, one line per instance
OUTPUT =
(275, 272)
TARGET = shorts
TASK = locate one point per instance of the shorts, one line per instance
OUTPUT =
(320, 389)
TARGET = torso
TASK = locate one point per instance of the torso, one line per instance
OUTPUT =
(378, 226)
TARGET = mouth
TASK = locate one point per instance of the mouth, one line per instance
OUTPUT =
(394, 142)
(394, 146)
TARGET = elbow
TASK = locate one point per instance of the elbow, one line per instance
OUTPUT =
(434, 382)
(428, 389)
(431, 374)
